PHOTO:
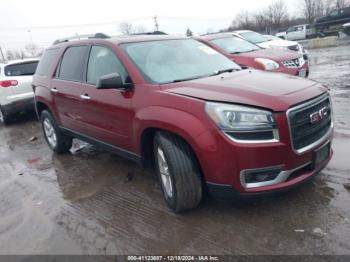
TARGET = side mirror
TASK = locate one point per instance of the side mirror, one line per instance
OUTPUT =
(111, 81)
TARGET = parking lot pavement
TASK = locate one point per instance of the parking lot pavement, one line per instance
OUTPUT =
(92, 202)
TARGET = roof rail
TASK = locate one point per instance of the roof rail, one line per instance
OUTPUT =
(214, 33)
(78, 37)
(150, 33)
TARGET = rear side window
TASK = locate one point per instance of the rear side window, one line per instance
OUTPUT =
(73, 63)
(102, 62)
(24, 69)
(46, 62)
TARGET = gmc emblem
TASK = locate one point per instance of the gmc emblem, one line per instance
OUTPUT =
(319, 115)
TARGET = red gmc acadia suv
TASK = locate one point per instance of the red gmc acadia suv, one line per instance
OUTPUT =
(180, 107)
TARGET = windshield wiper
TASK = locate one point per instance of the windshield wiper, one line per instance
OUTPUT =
(185, 79)
(219, 72)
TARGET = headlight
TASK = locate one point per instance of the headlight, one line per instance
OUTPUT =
(243, 124)
(268, 64)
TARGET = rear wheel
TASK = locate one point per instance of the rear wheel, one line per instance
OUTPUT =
(4, 118)
(178, 172)
(57, 141)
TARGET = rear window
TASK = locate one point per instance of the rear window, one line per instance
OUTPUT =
(46, 61)
(23, 69)
(73, 63)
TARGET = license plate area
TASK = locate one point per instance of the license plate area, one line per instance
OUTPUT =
(321, 154)
(302, 73)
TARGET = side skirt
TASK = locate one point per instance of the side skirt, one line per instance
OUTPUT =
(110, 148)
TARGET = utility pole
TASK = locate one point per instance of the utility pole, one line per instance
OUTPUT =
(2, 54)
(30, 36)
(156, 25)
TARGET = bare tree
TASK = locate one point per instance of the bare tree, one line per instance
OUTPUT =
(32, 49)
(189, 32)
(277, 14)
(126, 28)
(140, 29)
(10, 55)
(342, 3)
(313, 9)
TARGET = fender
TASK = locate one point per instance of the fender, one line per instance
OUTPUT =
(184, 124)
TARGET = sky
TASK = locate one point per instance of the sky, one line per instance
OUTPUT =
(42, 21)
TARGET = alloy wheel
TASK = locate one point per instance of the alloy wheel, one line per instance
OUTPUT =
(50, 133)
(165, 173)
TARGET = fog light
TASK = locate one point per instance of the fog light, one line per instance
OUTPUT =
(263, 175)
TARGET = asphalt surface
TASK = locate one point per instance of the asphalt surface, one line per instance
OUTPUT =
(92, 202)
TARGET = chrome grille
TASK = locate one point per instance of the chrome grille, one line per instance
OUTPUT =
(294, 63)
(306, 133)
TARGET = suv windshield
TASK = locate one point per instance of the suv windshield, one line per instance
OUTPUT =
(235, 45)
(254, 37)
(169, 61)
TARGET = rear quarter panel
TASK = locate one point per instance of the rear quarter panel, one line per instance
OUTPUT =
(4, 92)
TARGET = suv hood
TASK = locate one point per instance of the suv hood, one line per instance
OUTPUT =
(250, 87)
(283, 43)
(273, 54)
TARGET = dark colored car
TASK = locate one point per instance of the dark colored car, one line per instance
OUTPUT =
(247, 54)
(189, 112)
(337, 16)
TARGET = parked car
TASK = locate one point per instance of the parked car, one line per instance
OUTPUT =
(267, 42)
(337, 16)
(332, 23)
(16, 93)
(346, 28)
(298, 32)
(247, 54)
(189, 112)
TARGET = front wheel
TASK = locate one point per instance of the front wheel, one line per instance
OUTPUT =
(57, 141)
(178, 172)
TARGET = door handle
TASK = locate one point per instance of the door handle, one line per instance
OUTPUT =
(85, 97)
(54, 90)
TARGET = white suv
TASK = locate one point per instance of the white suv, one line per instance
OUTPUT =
(268, 42)
(16, 94)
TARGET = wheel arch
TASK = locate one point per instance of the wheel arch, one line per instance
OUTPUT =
(147, 150)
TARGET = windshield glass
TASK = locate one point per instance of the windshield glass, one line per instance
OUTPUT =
(235, 45)
(254, 37)
(271, 37)
(169, 61)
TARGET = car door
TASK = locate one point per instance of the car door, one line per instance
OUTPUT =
(290, 34)
(68, 85)
(299, 33)
(107, 112)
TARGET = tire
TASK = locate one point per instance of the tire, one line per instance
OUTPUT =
(56, 140)
(4, 118)
(185, 190)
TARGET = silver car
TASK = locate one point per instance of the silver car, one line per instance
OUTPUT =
(16, 94)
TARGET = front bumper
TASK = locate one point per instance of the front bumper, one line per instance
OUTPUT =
(297, 71)
(223, 160)
(226, 192)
